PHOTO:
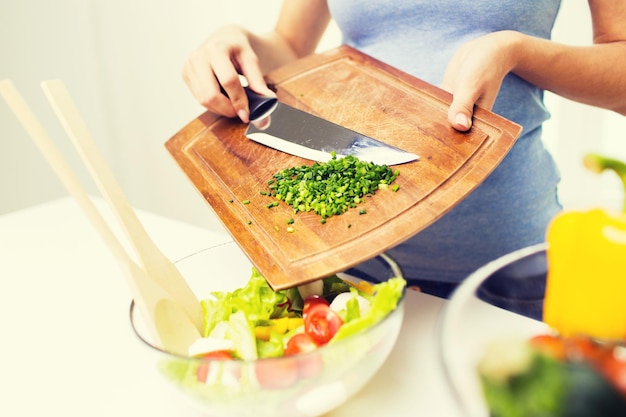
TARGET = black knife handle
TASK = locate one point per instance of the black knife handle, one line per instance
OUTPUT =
(260, 106)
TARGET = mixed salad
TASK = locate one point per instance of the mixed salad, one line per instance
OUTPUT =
(552, 376)
(255, 322)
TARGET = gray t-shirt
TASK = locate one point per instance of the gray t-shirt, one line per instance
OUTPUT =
(513, 207)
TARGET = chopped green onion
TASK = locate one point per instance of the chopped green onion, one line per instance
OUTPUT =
(330, 188)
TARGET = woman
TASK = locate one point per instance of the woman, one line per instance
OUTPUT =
(496, 55)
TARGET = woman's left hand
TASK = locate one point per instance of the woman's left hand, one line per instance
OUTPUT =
(475, 73)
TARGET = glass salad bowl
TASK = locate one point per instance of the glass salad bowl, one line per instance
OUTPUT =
(304, 384)
(478, 337)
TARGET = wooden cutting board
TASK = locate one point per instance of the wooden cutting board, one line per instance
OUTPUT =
(363, 94)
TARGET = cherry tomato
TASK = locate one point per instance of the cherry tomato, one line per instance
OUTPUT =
(276, 374)
(299, 343)
(550, 345)
(321, 323)
(202, 372)
(581, 348)
(308, 366)
(311, 301)
(222, 355)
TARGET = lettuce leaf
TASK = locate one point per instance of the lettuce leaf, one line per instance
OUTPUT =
(241, 333)
(244, 308)
(387, 294)
(256, 300)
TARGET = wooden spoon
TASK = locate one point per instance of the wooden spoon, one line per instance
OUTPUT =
(166, 317)
(156, 264)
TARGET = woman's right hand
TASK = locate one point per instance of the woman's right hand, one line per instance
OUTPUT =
(217, 64)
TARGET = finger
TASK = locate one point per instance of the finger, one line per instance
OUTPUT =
(251, 70)
(228, 79)
(460, 112)
(201, 81)
(232, 89)
(464, 103)
(461, 108)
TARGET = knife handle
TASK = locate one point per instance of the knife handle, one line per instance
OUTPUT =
(260, 106)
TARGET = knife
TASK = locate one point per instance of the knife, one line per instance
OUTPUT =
(290, 130)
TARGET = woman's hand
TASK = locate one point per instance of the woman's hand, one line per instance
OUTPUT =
(474, 75)
(217, 64)
(232, 51)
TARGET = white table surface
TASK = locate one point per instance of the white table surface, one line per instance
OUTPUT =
(67, 347)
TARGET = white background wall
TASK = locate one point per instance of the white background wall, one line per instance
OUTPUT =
(122, 60)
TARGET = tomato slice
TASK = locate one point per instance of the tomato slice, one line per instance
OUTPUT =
(321, 323)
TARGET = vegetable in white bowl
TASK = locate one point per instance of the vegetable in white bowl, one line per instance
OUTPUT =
(260, 357)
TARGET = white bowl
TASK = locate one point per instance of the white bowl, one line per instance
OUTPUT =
(472, 321)
(236, 389)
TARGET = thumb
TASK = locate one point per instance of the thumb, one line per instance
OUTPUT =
(460, 113)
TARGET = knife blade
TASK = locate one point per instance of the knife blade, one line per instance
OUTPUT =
(299, 133)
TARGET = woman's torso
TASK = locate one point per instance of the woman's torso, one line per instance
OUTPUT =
(513, 206)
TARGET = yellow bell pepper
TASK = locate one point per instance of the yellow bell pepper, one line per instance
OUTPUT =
(586, 255)
(281, 325)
